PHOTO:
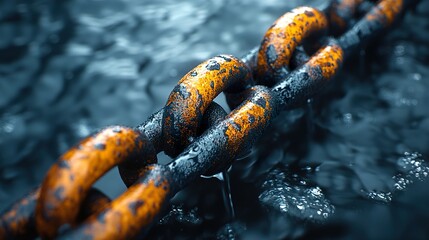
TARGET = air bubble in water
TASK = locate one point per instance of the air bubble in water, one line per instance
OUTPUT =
(380, 196)
(178, 214)
(286, 194)
(413, 167)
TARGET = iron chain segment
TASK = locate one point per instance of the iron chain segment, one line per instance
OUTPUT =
(294, 62)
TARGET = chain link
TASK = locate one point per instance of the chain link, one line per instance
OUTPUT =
(294, 62)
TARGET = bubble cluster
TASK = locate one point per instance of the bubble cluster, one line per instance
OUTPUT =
(413, 167)
(294, 196)
(380, 196)
(180, 215)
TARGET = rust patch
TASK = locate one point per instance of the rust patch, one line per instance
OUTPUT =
(248, 117)
(190, 98)
(289, 30)
(68, 182)
(18, 221)
(133, 211)
(385, 11)
(328, 59)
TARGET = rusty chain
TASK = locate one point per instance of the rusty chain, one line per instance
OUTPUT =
(201, 137)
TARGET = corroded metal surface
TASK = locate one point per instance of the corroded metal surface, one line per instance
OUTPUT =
(377, 20)
(309, 78)
(193, 94)
(129, 214)
(69, 180)
(223, 142)
(197, 132)
(19, 221)
(282, 38)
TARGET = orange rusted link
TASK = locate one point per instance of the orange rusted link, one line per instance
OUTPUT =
(18, 222)
(282, 38)
(379, 18)
(309, 78)
(196, 90)
(299, 57)
(217, 147)
(340, 14)
(69, 180)
(132, 212)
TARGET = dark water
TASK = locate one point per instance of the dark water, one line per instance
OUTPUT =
(352, 163)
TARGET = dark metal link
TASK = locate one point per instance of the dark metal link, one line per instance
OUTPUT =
(310, 78)
(224, 142)
(142, 203)
(377, 20)
(340, 14)
(153, 129)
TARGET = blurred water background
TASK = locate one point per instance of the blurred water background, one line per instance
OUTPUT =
(351, 164)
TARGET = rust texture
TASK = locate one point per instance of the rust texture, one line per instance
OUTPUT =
(194, 93)
(223, 142)
(132, 212)
(193, 129)
(282, 38)
(310, 78)
(18, 222)
(377, 20)
(69, 180)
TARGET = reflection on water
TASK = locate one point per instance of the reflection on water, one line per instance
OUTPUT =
(69, 68)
